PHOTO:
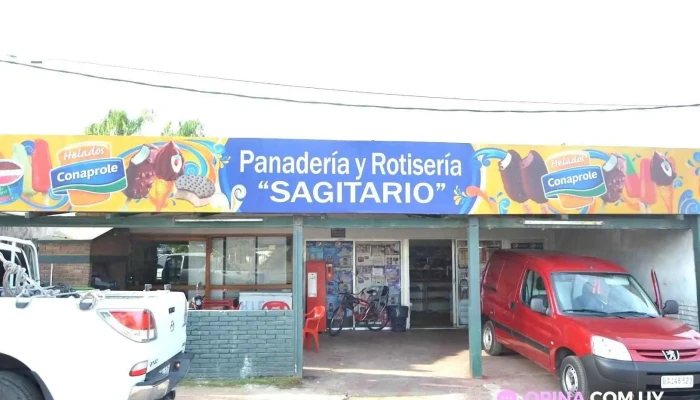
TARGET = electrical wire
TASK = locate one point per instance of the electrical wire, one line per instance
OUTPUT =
(157, 71)
(310, 102)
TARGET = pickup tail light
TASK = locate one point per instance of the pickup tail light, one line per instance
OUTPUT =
(136, 325)
(139, 369)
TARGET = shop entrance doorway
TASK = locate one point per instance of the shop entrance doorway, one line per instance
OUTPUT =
(430, 273)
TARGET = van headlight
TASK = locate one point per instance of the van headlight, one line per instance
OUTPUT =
(608, 348)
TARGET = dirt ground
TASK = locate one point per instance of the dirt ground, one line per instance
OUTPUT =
(420, 364)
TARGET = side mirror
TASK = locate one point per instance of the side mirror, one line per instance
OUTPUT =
(537, 304)
(670, 307)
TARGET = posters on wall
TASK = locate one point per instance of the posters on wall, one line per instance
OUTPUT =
(338, 253)
(238, 175)
(378, 264)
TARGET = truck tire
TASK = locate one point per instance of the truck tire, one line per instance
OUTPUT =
(16, 387)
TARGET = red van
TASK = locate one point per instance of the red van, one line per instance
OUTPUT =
(589, 322)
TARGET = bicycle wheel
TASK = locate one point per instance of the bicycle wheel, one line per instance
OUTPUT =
(377, 319)
(337, 320)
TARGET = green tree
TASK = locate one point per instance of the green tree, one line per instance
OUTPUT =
(118, 123)
(190, 128)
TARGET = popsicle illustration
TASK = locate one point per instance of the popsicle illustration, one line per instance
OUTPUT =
(20, 156)
(41, 167)
(647, 186)
(633, 183)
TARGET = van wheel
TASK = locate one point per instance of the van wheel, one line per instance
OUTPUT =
(572, 377)
(488, 340)
(16, 387)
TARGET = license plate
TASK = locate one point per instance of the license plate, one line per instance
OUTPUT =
(166, 370)
(677, 382)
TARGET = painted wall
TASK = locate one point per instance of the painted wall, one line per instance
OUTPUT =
(670, 253)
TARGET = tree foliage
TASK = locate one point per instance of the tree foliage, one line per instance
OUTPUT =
(118, 123)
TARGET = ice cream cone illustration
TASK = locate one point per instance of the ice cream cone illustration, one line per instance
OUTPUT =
(161, 193)
(647, 186)
(666, 194)
(663, 173)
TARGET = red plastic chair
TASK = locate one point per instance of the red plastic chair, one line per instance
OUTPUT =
(313, 319)
(275, 305)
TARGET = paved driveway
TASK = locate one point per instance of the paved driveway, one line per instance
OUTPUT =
(420, 364)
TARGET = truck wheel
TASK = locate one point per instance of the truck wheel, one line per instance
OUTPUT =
(16, 387)
(488, 340)
(572, 377)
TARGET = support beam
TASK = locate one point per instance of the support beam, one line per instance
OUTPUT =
(475, 367)
(695, 226)
(298, 293)
(153, 221)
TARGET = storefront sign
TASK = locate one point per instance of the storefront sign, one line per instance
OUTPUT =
(141, 174)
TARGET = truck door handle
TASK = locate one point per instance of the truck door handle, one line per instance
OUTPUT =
(511, 305)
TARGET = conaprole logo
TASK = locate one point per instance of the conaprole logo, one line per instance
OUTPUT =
(93, 176)
(573, 180)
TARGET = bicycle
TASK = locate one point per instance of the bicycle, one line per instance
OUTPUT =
(372, 312)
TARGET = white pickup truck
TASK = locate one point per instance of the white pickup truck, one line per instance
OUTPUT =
(95, 345)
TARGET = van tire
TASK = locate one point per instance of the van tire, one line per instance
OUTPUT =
(488, 340)
(16, 387)
(573, 363)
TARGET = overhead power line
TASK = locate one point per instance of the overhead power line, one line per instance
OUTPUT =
(338, 104)
(219, 78)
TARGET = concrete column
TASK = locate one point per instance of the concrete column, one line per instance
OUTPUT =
(475, 367)
(298, 293)
(695, 226)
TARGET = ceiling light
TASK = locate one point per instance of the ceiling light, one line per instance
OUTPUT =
(560, 222)
(197, 220)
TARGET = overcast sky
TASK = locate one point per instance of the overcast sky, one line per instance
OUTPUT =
(606, 52)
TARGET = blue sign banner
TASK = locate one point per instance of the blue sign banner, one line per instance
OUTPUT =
(312, 176)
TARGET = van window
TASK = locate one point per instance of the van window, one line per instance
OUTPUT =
(533, 287)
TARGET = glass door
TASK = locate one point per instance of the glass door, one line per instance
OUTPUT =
(461, 275)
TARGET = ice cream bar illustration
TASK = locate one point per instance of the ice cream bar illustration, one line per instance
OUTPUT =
(41, 166)
(169, 163)
(19, 155)
(614, 175)
(533, 169)
(141, 173)
(647, 187)
(511, 174)
(633, 183)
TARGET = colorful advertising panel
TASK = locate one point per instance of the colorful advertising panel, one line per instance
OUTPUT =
(147, 174)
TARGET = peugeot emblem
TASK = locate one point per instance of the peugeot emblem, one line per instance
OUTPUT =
(172, 326)
(671, 355)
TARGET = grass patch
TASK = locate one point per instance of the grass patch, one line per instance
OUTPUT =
(278, 382)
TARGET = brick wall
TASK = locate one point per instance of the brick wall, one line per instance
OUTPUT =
(240, 344)
(688, 314)
(69, 274)
(70, 260)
